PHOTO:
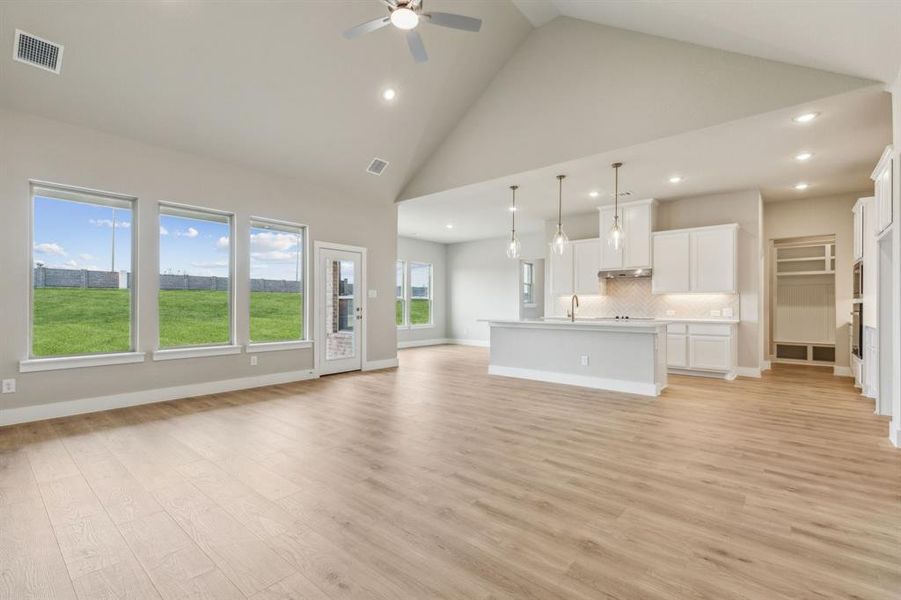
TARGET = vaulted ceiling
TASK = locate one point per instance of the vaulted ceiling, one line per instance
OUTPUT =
(271, 85)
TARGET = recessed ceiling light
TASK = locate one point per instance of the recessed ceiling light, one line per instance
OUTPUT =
(594, 193)
(389, 94)
(801, 186)
(804, 156)
(806, 117)
(675, 179)
(450, 225)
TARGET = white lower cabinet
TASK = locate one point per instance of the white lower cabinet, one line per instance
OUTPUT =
(707, 348)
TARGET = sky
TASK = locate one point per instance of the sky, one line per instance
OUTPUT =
(72, 235)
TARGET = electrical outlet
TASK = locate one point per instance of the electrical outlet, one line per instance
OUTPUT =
(584, 360)
(727, 312)
(9, 386)
(373, 293)
(253, 361)
(670, 313)
(715, 312)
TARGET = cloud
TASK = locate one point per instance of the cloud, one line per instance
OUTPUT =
(163, 230)
(268, 241)
(222, 243)
(221, 264)
(85, 256)
(71, 263)
(275, 256)
(109, 223)
(189, 233)
(50, 248)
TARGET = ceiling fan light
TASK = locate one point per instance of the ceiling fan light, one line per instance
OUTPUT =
(404, 18)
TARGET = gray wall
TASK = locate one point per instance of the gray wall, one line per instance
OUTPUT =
(484, 284)
(413, 250)
(45, 277)
(42, 149)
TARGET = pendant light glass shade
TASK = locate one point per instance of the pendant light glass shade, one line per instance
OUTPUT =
(513, 246)
(559, 242)
(616, 236)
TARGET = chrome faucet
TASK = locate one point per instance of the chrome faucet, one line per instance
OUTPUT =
(573, 304)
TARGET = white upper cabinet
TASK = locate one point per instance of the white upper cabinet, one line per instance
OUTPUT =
(858, 240)
(637, 221)
(671, 263)
(700, 260)
(586, 264)
(882, 178)
(713, 255)
(561, 271)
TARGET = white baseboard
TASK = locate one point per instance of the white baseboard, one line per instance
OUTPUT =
(842, 371)
(375, 365)
(68, 408)
(766, 365)
(894, 437)
(419, 343)
(727, 375)
(462, 342)
(599, 383)
(747, 372)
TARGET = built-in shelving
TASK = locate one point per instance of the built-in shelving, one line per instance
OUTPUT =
(805, 259)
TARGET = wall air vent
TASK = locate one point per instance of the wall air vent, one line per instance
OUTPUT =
(37, 52)
(377, 166)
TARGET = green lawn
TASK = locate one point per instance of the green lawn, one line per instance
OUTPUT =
(419, 312)
(86, 321)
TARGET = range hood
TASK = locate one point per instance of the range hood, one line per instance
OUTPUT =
(623, 273)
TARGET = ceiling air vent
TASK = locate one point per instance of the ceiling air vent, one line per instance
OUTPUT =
(38, 52)
(377, 166)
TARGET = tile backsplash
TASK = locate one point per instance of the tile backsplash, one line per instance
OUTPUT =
(633, 297)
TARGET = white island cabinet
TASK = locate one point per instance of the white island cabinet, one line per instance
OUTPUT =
(703, 348)
(601, 354)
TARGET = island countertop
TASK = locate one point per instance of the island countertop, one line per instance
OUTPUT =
(623, 325)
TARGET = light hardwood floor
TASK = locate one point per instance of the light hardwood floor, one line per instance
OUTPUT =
(438, 481)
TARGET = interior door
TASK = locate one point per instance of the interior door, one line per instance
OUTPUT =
(340, 311)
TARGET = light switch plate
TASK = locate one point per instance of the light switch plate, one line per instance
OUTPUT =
(584, 360)
(373, 293)
(254, 361)
(9, 386)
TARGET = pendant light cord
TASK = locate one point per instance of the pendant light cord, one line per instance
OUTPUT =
(513, 235)
(560, 203)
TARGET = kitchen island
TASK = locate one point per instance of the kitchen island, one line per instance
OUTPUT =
(618, 355)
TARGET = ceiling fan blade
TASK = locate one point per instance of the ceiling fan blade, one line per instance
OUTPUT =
(368, 26)
(417, 49)
(454, 21)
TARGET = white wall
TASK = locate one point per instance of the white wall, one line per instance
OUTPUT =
(413, 250)
(484, 284)
(37, 148)
(575, 89)
(895, 433)
(814, 217)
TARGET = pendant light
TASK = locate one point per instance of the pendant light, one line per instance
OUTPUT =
(616, 236)
(513, 246)
(560, 240)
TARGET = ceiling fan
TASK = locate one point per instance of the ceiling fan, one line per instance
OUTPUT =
(406, 15)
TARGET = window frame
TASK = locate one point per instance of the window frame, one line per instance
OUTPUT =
(305, 341)
(403, 294)
(431, 297)
(199, 350)
(32, 363)
(530, 266)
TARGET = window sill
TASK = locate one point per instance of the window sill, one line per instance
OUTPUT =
(33, 365)
(197, 352)
(276, 346)
(424, 326)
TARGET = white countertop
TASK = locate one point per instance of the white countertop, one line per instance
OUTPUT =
(651, 320)
(638, 325)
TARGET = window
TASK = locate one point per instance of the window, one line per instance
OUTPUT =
(82, 273)
(400, 313)
(420, 294)
(195, 300)
(528, 283)
(277, 278)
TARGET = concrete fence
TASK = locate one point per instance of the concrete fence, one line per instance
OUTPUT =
(45, 277)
